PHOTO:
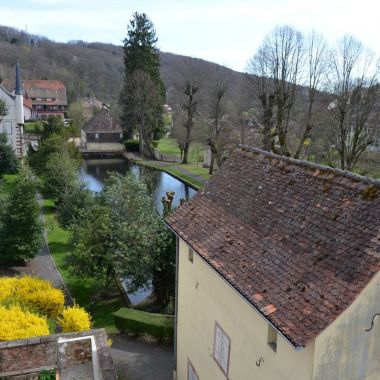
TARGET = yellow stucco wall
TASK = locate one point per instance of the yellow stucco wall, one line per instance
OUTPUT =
(204, 298)
(345, 350)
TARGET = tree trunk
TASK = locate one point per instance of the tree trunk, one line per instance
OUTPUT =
(160, 287)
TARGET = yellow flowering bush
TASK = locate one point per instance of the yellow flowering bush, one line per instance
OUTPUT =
(34, 293)
(7, 285)
(75, 318)
(17, 323)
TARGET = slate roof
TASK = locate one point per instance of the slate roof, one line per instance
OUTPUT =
(299, 241)
(102, 122)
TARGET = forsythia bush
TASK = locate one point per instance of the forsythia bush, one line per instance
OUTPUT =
(27, 302)
(34, 293)
(18, 324)
(7, 286)
(75, 318)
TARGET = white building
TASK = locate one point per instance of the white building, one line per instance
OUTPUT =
(12, 123)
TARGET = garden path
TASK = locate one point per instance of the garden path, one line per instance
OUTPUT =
(136, 359)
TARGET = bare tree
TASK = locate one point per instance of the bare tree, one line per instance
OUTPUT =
(353, 81)
(219, 122)
(275, 70)
(191, 76)
(315, 73)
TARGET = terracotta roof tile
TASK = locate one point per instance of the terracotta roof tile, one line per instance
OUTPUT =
(297, 240)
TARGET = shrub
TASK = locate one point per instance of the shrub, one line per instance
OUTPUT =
(47, 374)
(18, 324)
(75, 318)
(34, 293)
(132, 145)
(155, 143)
(140, 322)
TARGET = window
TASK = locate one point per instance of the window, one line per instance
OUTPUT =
(96, 136)
(8, 127)
(191, 255)
(272, 338)
(191, 374)
(222, 349)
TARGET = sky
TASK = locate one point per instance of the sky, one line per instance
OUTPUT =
(222, 31)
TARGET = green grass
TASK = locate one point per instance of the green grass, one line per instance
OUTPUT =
(169, 146)
(83, 290)
(33, 127)
(8, 182)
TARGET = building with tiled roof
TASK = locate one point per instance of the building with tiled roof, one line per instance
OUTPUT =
(48, 97)
(102, 133)
(278, 273)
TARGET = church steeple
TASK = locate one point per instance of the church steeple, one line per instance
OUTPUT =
(18, 90)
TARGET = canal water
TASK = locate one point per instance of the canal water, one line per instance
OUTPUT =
(95, 172)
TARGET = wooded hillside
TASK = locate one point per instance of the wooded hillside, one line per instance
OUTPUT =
(92, 69)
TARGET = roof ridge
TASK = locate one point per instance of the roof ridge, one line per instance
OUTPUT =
(343, 173)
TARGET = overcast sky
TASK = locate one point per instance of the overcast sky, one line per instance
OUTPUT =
(223, 31)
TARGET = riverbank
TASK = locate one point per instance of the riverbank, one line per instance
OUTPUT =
(191, 174)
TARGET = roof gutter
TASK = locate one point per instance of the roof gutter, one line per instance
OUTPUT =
(296, 348)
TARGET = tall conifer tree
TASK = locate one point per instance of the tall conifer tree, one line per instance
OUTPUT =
(141, 55)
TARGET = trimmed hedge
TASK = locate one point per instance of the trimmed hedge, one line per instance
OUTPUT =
(132, 145)
(140, 322)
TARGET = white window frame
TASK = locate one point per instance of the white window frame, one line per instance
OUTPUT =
(191, 372)
(222, 349)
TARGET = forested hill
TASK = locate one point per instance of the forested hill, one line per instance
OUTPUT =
(94, 69)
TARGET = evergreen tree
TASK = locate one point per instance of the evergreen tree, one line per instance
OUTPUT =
(8, 159)
(142, 55)
(21, 228)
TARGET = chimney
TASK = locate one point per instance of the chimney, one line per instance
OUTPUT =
(19, 97)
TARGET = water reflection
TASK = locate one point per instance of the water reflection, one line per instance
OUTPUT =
(95, 171)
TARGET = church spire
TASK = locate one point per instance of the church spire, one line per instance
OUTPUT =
(18, 90)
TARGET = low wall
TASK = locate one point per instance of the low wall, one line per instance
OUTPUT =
(25, 358)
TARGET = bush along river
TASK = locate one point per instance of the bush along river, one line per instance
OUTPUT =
(94, 172)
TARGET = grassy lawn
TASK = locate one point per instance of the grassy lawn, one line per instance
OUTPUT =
(31, 127)
(169, 146)
(82, 289)
(8, 182)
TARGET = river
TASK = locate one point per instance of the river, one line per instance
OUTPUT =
(95, 171)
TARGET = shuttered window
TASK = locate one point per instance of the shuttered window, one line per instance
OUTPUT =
(191, 374)
(221, 349)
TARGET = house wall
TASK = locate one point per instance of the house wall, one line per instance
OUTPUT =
(205, 298)
(345, 350)
(103, 137)
(14, 137)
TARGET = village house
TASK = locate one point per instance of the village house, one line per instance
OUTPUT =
(46, 97)
(12, 123)
(278, 273)
(102, 133)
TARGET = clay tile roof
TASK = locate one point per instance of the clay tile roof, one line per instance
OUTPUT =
(298, 241)
(102, 122)
(46, 89)
(27, 103)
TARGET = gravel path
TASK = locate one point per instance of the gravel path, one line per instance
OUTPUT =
(135, 359)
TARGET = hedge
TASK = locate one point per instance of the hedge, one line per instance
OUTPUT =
(140, 322)
(132, 145)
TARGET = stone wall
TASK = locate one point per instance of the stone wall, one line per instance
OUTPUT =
(25, 358)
